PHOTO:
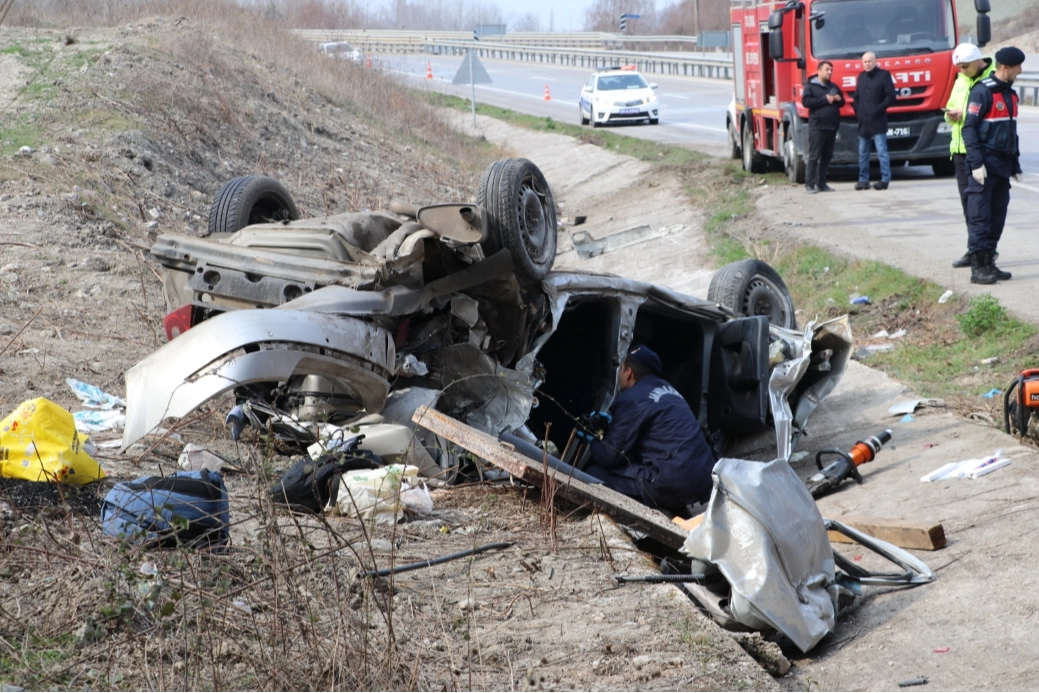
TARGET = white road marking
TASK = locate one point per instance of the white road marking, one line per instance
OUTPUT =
(1015, 184)
(676, 96)
(700, 127)
(545, 79)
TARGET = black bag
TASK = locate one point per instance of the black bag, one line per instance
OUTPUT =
(183, 508)
(309, 484)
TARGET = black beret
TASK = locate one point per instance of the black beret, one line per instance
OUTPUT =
(1010, 56)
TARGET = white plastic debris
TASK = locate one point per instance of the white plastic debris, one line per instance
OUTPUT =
(417, 499)
(195, 457)
(946, 296)
(968, 469)
(375, 494)
(93, 396)
(96, 420)
(411, 367)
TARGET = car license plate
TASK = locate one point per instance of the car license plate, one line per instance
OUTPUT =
(628, 111)
(898, 132)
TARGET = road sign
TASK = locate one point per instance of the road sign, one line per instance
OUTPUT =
(471, 72)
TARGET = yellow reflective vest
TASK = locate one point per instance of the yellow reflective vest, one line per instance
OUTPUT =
(958, 102)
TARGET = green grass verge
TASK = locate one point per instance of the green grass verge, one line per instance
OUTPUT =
(945, 344)
(643, 150)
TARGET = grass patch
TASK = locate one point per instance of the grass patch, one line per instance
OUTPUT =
(643, 150)
(942, 352)
(20, 135)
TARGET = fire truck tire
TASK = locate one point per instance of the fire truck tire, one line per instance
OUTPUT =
(793, 163)
(250, 200)
(734, 142)
(752, 161)
(522, 217)
(752, 287)
(944, 168)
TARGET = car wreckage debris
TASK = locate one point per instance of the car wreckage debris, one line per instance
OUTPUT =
(434, 561)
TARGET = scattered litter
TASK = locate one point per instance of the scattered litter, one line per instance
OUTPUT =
(242, 606)
(866, 351)
(195, 457)
(946, 296)
(410, 366)
(857, 558)
(375, 494)
(992, 393)
(883, 334)
(930, 445)
(417, 500)
(908, 418)
(968, 469)
(93, 396)
(918, 681)
(97, 420)
(990, 361)
(861, 301)
(898, 334)
(798, 456)
(40, 443)
(941, 650)
(911, 405)
(580, 219)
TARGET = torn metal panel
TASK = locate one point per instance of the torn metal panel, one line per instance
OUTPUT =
(212, 358)
(763, 531)
(483, 393)
(587, 246)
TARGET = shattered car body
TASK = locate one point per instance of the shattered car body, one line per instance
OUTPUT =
(344, 317)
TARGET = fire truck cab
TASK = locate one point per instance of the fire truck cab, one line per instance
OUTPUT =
(778, 47)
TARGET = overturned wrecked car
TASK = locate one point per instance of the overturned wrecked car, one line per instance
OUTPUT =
(361, 318)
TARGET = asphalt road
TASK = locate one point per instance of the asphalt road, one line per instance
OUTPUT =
(917, 225)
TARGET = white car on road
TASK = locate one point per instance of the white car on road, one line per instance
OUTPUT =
(618, 95)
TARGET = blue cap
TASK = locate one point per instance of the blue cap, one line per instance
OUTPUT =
(646, 357)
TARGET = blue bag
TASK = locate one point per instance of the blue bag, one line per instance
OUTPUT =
(185, 508)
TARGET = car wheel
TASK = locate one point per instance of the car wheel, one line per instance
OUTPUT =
(522, 216)
(250, 200)
(752, 287)
(654, 121)
(734, 142)
(584, 121)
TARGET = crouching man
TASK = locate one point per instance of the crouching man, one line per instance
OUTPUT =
(655, 451)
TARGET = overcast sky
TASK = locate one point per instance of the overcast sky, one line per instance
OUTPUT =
(567, 15)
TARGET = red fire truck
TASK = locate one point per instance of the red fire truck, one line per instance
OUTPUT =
(778, 46)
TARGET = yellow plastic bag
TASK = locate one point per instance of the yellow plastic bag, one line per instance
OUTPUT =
(39, 442)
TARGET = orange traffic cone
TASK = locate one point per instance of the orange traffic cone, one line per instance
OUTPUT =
(548, 97)
(429, 70)
(368, 62)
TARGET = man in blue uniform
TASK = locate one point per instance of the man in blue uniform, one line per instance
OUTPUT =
(655, 451)
(990, 137)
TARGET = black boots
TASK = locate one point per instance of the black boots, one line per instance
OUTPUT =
(963, 261)
(983, 268)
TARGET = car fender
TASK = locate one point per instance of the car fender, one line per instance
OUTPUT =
(248, 346)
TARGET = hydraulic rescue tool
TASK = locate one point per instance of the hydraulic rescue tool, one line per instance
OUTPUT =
(1021, 415)
(846, 467)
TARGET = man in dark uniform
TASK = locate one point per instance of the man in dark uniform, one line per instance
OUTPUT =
(655, 451)
(990, 137)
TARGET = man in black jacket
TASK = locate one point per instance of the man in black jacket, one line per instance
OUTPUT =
(993, 156)
(874, 94)
(655, 451)
(823, 99)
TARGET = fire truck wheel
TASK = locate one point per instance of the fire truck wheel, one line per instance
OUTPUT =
(793, 163)
(250, 200)
(522, 217)
(734, 142)
(752, 287)
(752, 161)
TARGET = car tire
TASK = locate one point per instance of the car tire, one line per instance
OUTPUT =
(752, 287)
(584, 121)
(250, 200)
(654, 121)
(522, 217)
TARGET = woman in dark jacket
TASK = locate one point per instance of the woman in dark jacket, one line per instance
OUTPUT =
(874, 94)
(823, 99)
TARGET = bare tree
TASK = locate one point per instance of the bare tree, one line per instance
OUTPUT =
(528, 22)
(605, 15)
(689, 17)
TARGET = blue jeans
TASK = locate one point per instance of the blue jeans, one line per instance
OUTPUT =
(880, 141)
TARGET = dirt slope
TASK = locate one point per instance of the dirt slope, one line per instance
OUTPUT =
(113, 136)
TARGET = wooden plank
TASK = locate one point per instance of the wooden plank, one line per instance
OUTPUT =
(906, 535)
(618, 506)
(690, 524)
